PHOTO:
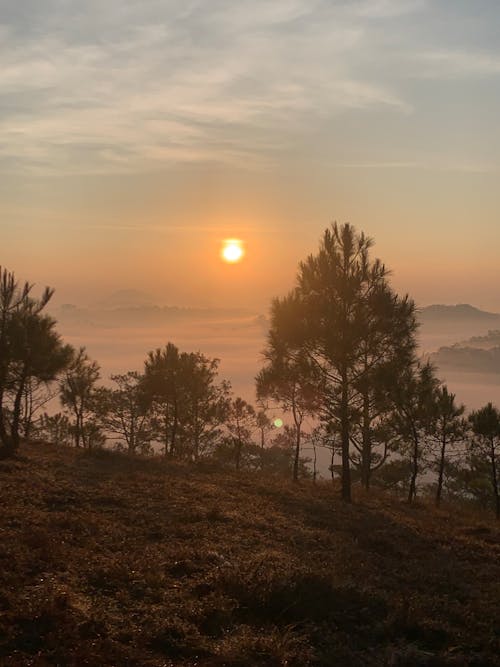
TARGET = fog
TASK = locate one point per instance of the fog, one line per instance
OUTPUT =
(120, 331)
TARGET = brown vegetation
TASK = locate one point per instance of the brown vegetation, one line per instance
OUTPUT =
(106, 560)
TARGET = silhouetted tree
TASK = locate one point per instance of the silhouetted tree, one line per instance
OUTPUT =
(54, 428)
(77, 389)
(162, 384)
(334, 317)
(448, 428)
(281, 456)
(485, 425)
(124, 410)
(240, 423)
(468, 479)
(190, 403)
(292, 382)
(37, 394)
(205, 403)
(413, 395)
(394, 475)
(264, 426)
(30, 350)
(386, 350)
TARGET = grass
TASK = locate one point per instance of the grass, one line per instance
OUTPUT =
(111, 561)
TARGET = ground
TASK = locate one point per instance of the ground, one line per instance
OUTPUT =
(111, 561)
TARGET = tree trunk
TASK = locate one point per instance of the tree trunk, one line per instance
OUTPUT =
(165, 431)
(298, 423)
(81, 431)
(16, 416)
(173, 444)
(441, 470)
(77, 431)
(5, 439)
(262, 447)
(196, 443)
(413, 481)
(132, 444)
(3, 430)
(366, 453)
(28, 411)
(494, 480)
(238, 453)
(238, 446)
(297, 454)
(344, 433)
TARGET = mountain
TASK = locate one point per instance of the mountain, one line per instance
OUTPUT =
(467, 359)
(477, 354)
(462, 311)
(114, 561)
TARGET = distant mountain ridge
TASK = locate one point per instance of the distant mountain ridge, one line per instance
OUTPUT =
(461, 311)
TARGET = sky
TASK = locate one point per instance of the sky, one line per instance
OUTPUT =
(137, 134)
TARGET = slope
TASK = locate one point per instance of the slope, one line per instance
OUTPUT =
(111, 561)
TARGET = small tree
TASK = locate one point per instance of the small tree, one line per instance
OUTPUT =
(289, 380)
(124, 410)
(54, 428)
(37, 394)
(189, 403)
(449, 428)
(240, 423)
(30, 351)
(205, 403)
(264, 426)
(485, 425)
(77, 389)
(413, 396)
(281, 455)
(162, 386)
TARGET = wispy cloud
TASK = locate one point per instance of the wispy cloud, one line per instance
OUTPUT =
(458, 64)
(388, 8)
(430, 164)
(125, 85)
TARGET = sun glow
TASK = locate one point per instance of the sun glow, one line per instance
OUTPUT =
(232, 251)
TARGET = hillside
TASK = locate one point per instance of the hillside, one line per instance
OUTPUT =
(107, 561)
(467, 359)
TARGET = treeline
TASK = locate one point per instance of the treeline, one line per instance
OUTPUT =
(177, 406)
(341, 360)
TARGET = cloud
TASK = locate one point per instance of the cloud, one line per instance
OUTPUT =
(458, 64)
(388, 8)
(431, 163)
(129, 85)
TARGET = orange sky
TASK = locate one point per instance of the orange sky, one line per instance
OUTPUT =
(136, 136)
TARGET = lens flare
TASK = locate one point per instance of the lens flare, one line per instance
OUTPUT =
(278, 423)
(232, 251)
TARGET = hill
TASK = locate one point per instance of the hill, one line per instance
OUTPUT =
(111, 561)
(467, 359)
(461, 311)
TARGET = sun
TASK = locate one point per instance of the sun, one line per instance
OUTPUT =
(232, 251)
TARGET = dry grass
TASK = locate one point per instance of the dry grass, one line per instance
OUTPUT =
(107, 561)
